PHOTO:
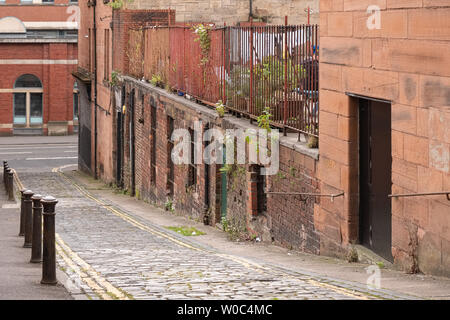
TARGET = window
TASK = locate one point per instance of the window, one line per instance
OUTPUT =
(28, 81)
(48, 1)
(20, 108)
(76, 94)
(153, 142)
(261, 192)
(106, 57)
(27, 101)
(192, 172)
(170, 166)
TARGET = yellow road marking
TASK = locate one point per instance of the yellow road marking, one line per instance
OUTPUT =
(340, 290)
(83, 276)
(89, 270)
(246, 263)
(141, 226)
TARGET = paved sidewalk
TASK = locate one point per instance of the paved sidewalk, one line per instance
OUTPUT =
(19, 279)
(111, 252)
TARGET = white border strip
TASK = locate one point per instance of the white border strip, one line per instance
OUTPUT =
(37, 61)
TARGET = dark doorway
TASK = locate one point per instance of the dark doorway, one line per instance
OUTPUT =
(132, 146)
(119, 150)
(120, 142)
(224, 186)
(375, 176)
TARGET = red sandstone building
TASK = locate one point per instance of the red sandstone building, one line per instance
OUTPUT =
(38, 52)
(385, 129)
(379, 179)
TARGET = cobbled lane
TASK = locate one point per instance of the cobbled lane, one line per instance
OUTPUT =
(111, 255)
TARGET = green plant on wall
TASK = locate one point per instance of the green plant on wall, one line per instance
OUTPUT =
(220, 108)
(157, 80)
(118, 4)
(264, 119)
(168, 206)
(114, 78)
(203, 37)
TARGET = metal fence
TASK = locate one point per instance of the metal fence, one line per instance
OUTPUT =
(252, 69)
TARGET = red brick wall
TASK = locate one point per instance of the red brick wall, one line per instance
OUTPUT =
(56, 79)
(287, 221)
(407, 61)
(37, 12)
(292, 221)
(121, 21)
(124, 20)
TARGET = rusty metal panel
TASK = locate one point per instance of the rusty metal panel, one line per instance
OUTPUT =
(157, 54)
(135, 53)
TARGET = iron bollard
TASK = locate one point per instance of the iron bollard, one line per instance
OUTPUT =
(10, 186)
(49, 251)
(36, 249)
(7, 171)
(28, 215)
(5, 165)
(22, 218)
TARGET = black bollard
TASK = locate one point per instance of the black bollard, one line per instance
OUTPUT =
(5, 165)
(10, 186)
(7, 171)
(49, 250)
(28, 215)
(36, 249)
(22, 218)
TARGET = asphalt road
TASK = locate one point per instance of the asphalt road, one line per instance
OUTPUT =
(39, 153)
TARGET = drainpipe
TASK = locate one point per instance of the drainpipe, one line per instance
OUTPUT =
(94, 4)
(251, 9)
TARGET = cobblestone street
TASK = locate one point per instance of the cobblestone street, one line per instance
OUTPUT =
(109, 253)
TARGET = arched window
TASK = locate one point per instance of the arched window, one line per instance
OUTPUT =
(28, 81)
(28, 100)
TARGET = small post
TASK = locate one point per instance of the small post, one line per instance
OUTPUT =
(36, 249)
(5, 165)
(10, 185)
(22, 217)
(28, 215)
(49, 250)
(7, 170)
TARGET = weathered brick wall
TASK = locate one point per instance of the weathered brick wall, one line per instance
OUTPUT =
(287, 220)
(291, 219)
(124, 20)
(234, 11)
(118, 22)
(406, 61)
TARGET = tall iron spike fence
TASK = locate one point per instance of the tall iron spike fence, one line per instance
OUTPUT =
(252, 70)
